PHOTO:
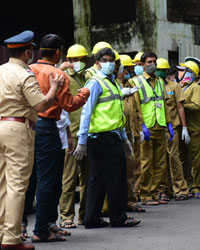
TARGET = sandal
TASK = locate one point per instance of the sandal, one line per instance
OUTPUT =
(129, 222)
(24, 234)
(137, 208)
(59, 231)
(164, 197)
(162, 202)
(150, 203)
(181, 197)
(67, 224)
(45, 238)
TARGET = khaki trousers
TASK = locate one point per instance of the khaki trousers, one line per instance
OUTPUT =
(153, 165)
(174, 174)
(16, 154)
(72, 170)
(194, 147)
(185, 159)
(133, 168)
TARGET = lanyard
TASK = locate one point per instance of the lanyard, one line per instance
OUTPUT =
(152, 88)
(186, 88)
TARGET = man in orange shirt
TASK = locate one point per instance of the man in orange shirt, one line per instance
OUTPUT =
(48, 143)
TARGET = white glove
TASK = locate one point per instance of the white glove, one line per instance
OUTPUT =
(185, 135)
(135, 89)
(80, 151)
(128, 148)
(126, 92)
(129, 91)
(141, 136)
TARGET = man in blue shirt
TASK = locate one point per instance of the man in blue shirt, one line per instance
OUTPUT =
(101, 136)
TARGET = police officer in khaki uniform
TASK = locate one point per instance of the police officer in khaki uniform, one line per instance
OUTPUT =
(191, 92)
(175, 105)
(73, 168)
(20, 100)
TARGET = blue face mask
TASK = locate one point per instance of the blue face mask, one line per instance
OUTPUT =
(138, 70)
(107, 67)
(128, 76)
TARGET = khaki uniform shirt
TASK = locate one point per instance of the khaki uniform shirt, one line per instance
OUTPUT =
(175, 95)
(152, 81)
(133, 120)
(77, 81)
(19, 90)
(192, 106)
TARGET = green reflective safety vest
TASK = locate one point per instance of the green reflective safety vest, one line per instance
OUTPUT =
(92, 70)
(108, 113)
(152, 102)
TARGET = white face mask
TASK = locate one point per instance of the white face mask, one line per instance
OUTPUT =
(30, 60)
(78, 66)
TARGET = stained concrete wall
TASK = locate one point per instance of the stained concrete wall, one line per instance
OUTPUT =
(150, 31)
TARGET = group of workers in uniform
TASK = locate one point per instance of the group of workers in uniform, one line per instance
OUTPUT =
(124, 128)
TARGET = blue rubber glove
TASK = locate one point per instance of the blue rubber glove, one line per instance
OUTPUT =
(146, 132)
(171, 131)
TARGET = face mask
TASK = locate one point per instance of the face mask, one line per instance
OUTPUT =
(150, 69)
(107, 68)
(188, 78)
(121, 69)
(161, 74)
(78, 66)
(128, 76)
(138, 70)
(30, 60)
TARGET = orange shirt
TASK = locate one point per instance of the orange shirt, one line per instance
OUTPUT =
(64, 99)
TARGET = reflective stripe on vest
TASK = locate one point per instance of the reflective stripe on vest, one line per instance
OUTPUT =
(92, 70)
(108, 98)
(152, 102)
(145, 98)
(108, 113)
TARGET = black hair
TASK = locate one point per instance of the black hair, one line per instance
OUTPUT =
(103, 52)
(52, 42)
(147, 54)
(172, 71)
(16, 52)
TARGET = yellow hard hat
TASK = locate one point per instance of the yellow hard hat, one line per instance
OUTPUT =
(126, 60)
(137, 57)
(162, 63)
(76, 50)
(100, 45)
(191, 65)
(117, 57)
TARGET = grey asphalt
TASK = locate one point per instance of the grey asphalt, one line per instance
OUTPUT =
(175, 226)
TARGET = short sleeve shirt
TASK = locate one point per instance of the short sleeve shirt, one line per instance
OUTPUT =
(174, 96)
(19, 90)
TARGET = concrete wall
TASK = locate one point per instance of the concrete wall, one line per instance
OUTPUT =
(150, 31)
(169, 34)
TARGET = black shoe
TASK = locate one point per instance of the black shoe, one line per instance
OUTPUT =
(102, 223)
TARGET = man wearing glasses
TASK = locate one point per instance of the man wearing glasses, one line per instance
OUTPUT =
(101, 135)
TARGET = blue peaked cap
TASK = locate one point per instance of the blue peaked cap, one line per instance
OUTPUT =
(24, 38)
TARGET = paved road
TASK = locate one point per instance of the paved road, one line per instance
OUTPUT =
(175, 226)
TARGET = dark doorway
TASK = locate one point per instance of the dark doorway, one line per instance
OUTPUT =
(42, 17)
